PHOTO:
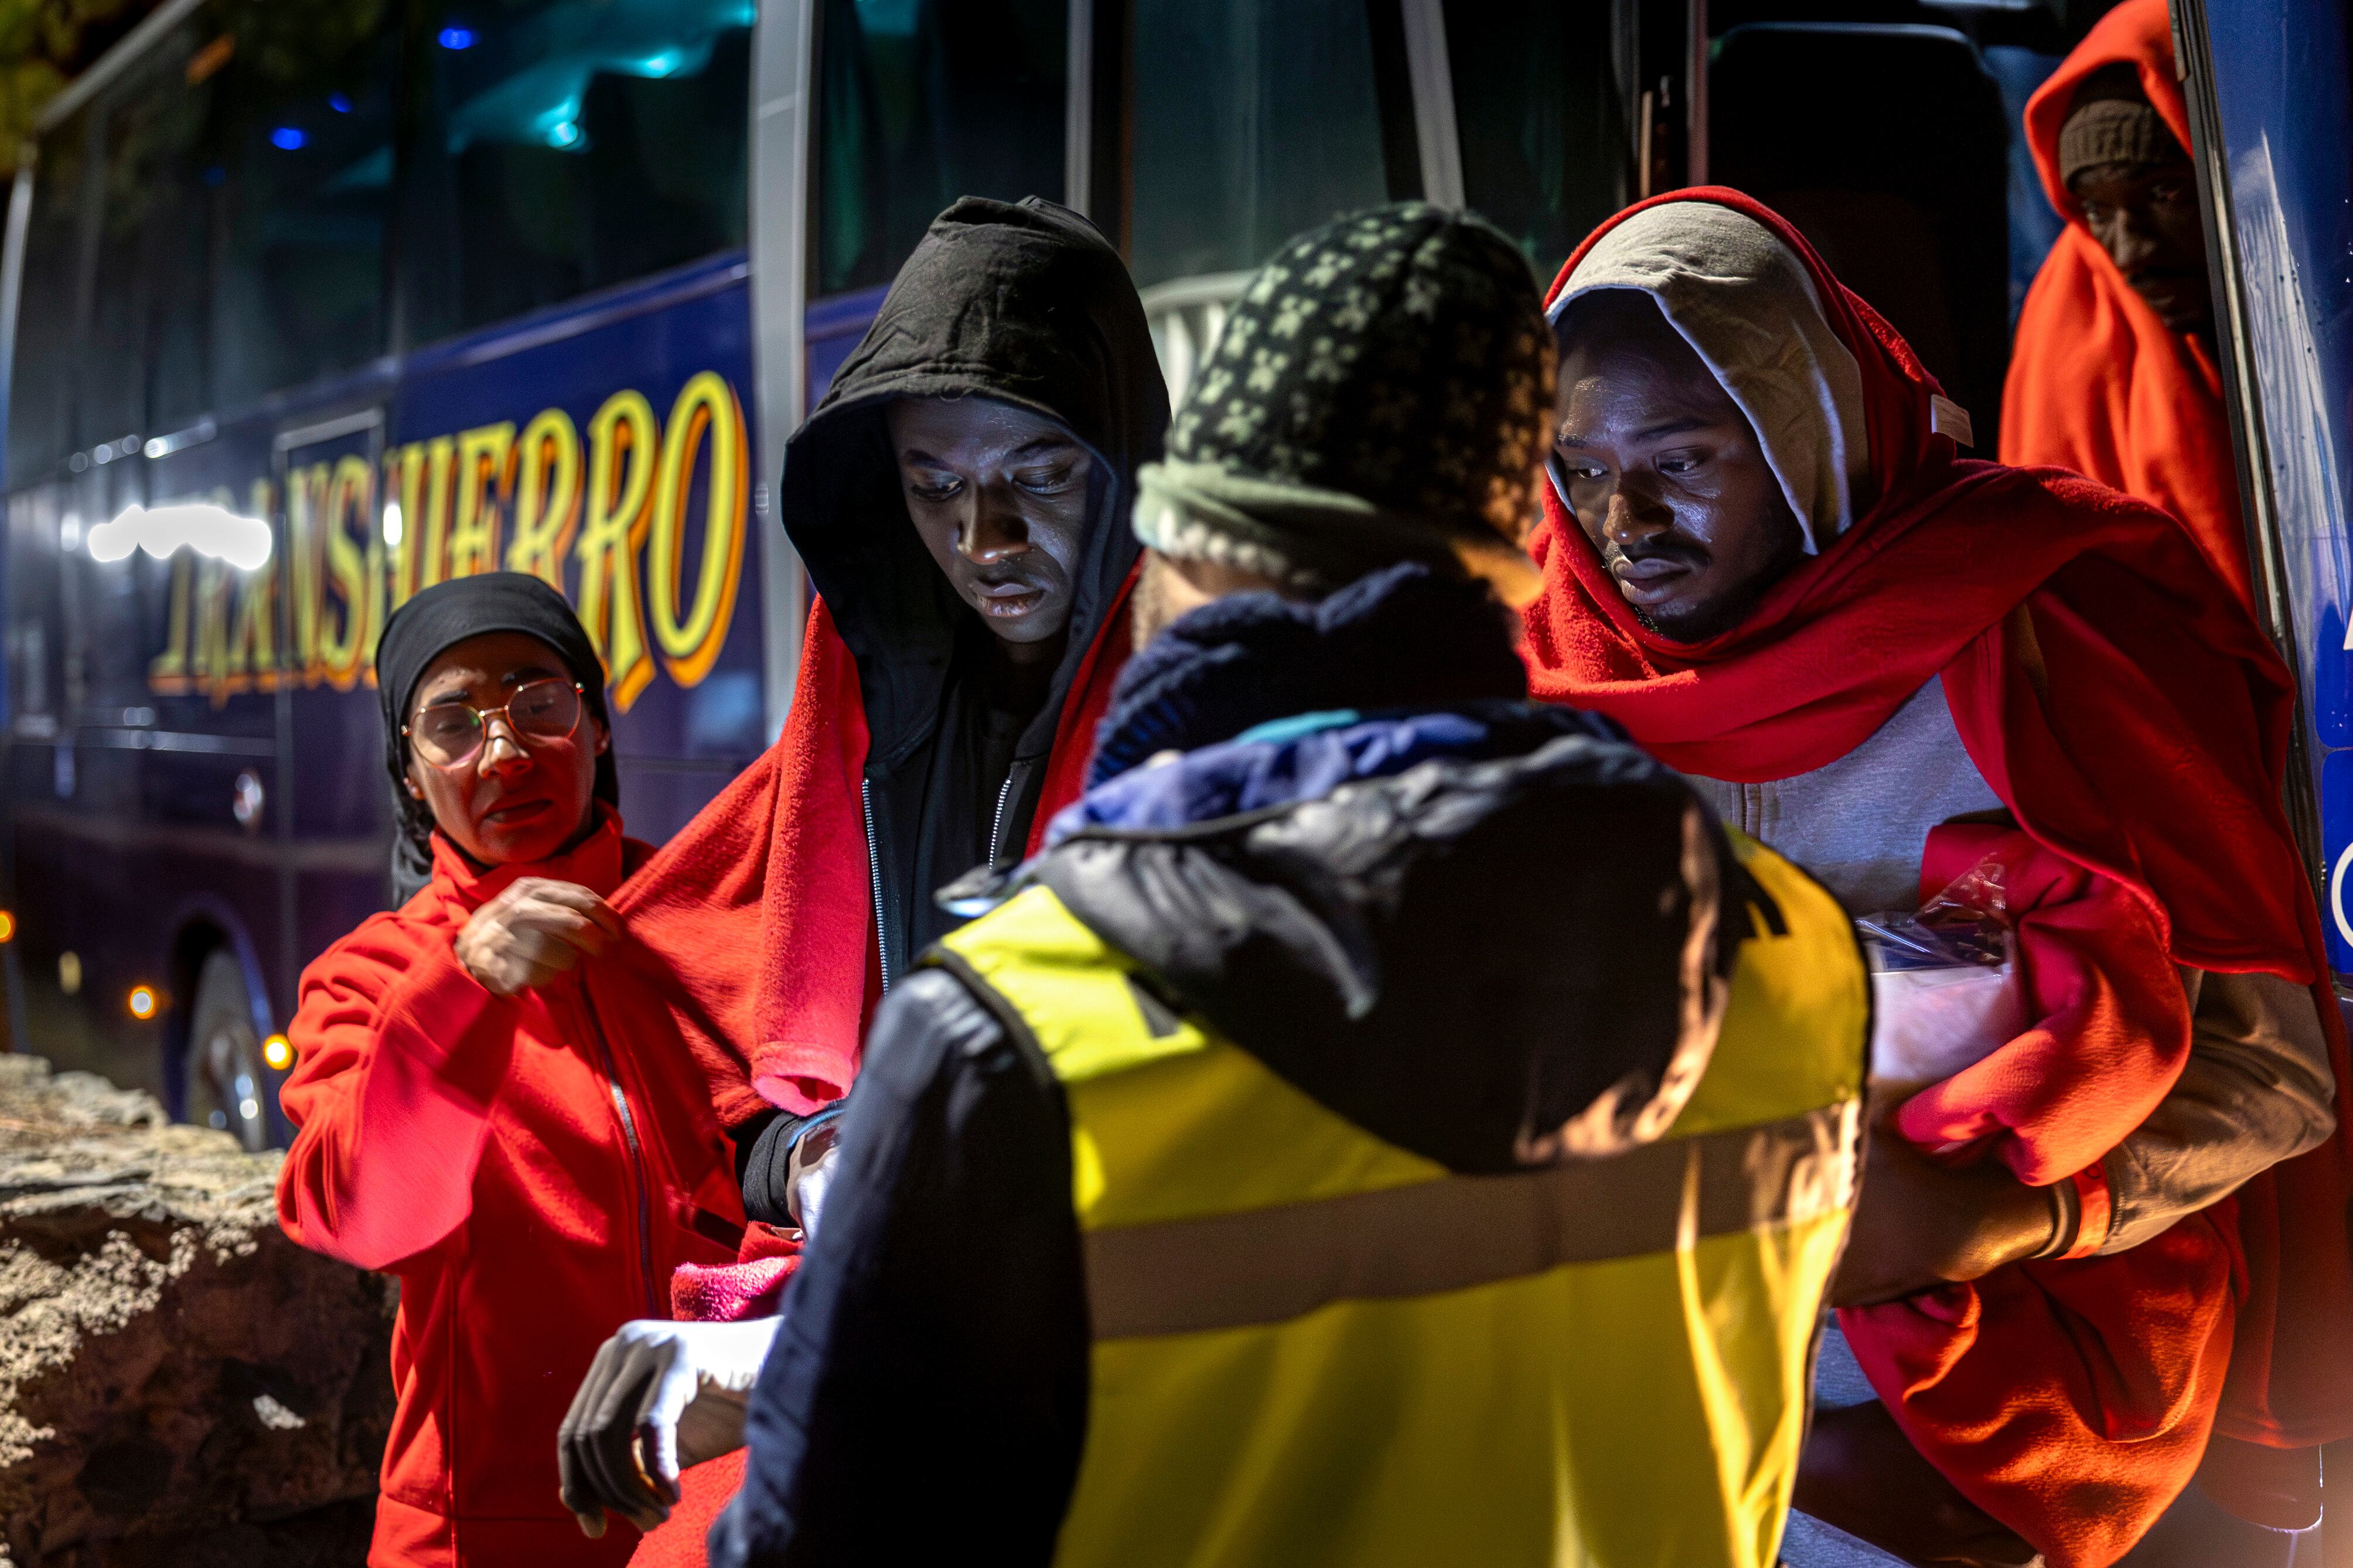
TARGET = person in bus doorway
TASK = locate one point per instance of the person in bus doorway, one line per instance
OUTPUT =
(1765, 558)
(959, 499)
(2114, 372)
(1253, 1181)
(466, 1121)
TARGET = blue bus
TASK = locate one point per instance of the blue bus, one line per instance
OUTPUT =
(305, 304)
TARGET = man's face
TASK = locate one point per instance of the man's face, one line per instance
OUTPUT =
(2145, 215)
(1664, 473)
(999, 497)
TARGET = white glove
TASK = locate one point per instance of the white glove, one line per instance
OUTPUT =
(660, 1396)
(810, 1173)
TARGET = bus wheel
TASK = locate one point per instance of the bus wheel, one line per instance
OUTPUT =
(226, 1087)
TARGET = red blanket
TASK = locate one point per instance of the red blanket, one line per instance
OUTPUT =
(2098, 383)
(2072, 1400)
(2109, 1011)
(757, 918)
(2124, 707)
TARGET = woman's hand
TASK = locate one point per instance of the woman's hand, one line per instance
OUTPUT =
(1920, 1224)
(532, 932)
(1862, 1474)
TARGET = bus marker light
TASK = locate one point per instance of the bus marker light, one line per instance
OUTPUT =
(278, 1051)
(142, 1002)
(8, 926)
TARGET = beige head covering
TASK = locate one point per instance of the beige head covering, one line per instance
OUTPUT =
(1748, 307)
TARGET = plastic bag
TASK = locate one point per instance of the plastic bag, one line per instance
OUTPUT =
(1945, 987)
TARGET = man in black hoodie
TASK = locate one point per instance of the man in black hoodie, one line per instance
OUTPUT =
(1002, 400)
(959, 498)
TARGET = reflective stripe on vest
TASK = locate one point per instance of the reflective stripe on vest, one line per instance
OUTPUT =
(1315, 1347)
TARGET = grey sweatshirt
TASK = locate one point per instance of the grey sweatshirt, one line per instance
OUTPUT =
(2257, 1088)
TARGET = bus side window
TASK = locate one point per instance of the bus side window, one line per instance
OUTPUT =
(241, 229)
(1549, 131)
(570, 145)
(1252, 120)
(919, 102)
(40, 405)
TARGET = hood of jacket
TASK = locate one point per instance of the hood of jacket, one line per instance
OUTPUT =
(1024, 303)
(1483, 928)
(2138, 34)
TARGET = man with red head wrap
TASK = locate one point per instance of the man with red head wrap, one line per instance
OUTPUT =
(2121, 1232)
(2112, 373)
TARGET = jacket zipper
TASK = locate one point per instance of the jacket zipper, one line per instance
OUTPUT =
(636, 1153)
(997, 823)
(874, 880)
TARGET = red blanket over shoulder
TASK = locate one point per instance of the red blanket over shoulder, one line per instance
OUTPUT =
(2121, 703)
(758, 916)
(2098, 383)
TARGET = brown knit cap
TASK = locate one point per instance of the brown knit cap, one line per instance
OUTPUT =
(2112, 121)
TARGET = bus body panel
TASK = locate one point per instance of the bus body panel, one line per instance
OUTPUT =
(193, 752)
(216, 674)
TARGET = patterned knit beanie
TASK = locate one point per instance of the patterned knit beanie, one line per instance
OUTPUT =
(1381, 393)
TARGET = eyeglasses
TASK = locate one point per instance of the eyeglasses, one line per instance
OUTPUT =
(449, 734)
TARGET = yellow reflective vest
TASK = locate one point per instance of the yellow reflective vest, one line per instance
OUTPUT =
(1313, 1347)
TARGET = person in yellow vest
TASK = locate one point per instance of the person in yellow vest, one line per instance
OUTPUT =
(1392, 1122)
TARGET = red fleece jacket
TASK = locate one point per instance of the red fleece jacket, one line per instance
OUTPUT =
(2098, 383)
(2122, 705)
(474, 1147)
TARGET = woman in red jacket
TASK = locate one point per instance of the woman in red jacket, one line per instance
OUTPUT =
(467, 1120)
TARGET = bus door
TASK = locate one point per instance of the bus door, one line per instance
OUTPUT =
(1215, 132)
(2270, 109)
(1201, 134)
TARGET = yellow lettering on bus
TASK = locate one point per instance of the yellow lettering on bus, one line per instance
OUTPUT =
(546, 497)
(349, 565)
(167, 672)
(691, 641)
(482, 455)
(624, 447)
(403, 487)
(306, 525)
(253, 632)
(218, 675)
(441, 457)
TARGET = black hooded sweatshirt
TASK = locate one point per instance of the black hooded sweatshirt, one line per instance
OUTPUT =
(1027, 304)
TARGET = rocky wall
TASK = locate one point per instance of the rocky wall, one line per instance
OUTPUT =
(179, 1383)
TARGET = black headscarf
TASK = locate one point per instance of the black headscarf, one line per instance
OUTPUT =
(431, 623)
